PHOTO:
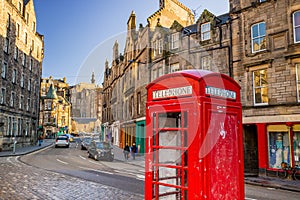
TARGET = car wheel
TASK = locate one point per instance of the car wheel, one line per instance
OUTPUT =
(82, 147)
(96, 157)
(68, 146)
(89, 155)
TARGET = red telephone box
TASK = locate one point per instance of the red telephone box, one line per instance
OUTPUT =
(194, 146)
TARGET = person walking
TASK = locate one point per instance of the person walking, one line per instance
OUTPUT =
(133, 150)
(126, 151)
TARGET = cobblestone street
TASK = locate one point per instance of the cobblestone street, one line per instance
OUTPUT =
(19, 181)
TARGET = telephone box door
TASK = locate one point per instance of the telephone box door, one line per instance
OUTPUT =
(168, 168)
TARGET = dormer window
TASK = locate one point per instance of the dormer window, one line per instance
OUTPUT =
(205, 31)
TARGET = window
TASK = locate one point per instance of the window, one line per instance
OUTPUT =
(298, 81)
(16, 53)
(296, 23)
(260, 87)
(4, 69)
(6, 45)
(174, 40)
(258, 37)
(160, 46)
(20, 121)
(24, 60)
(139, 101)
(131, 106)
(28, 104)
(21, 103)
(160, 71)
(279, 149)
(205, 63)
(8, 21)
(205, 31)
(22, 81)
(29, 85)
(18, 30)
(2, 96)
(174, 68)
(155, 48)
(262, 1)
(27, 17)
(14, 75)
(32, 45)
(9, 126)
(154, 74)
(12, 99)
(20, 7)
(33, 26)
(30, 64)
(25, 39)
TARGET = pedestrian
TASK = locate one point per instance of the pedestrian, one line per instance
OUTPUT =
(126, 151)
(133, 150)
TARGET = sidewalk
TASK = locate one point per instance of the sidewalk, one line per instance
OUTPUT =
(25, 150)
(284, 184)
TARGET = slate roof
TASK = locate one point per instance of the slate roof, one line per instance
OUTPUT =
(51, 94)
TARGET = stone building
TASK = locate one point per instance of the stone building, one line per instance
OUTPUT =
(266, 62)
(55, 107)
(86, 100)
(256, 43)
(21, 68)
(124, 93)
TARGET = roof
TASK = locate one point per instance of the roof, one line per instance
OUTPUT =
(51, 94)
(26, 2)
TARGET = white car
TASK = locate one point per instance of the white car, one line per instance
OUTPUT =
(62, 141)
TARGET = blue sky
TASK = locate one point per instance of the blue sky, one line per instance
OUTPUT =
(79, 35)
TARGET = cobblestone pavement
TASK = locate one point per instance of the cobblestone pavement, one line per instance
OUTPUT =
(19, 181)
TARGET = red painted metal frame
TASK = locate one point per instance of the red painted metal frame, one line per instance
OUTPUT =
(202, 109)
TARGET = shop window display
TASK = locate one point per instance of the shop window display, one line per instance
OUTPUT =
(296, 143)
(279, 149)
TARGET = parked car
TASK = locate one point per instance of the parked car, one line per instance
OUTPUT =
(62, 141)
(100, 151)
(86, 141)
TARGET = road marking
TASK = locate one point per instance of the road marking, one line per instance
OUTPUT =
(246, 198)
(11, 162)
(62, 161)
(96, 170)
(82, 157)
(95, 163)
(270, 188)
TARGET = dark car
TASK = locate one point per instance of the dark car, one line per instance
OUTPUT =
(85, 143)
(100, 151)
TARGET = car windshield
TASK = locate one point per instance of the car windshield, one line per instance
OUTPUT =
(101, 145)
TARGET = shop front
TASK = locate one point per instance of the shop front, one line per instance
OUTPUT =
(278, 146)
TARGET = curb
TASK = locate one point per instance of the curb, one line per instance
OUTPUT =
(10, 154)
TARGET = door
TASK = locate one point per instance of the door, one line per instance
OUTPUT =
(222, 152)
(169, 144)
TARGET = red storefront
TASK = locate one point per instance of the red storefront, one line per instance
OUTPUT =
(194, 143)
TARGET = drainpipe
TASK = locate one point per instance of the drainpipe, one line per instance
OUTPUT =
(230, 49)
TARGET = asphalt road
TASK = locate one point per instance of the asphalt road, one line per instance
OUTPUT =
(75, 162)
